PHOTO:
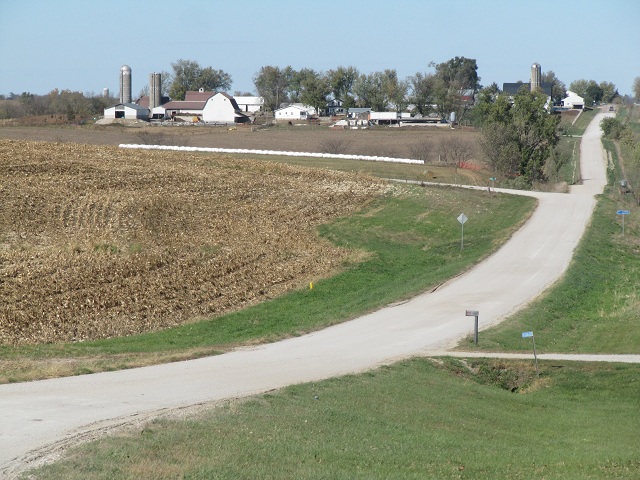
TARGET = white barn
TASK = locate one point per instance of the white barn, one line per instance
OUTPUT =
(223, 108)
(128, 111)
(207, 107)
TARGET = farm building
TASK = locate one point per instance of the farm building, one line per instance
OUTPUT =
(185, 109)
(222, 108)
(358, 112)
(129, 111)
(335, 107)
(250, 104)
(573, 100)
(294, 112)
(201, 106)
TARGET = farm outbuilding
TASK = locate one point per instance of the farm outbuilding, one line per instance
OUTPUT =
(250, 104)
(128, 111)
(573, 100)
(294, 112)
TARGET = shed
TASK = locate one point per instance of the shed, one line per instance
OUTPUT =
(129, 111)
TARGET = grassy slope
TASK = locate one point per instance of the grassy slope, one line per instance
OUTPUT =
(417, 419)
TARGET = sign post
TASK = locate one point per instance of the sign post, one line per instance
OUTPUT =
(623, 213)
(462, 218)
(535, 355)
(493, 180)
(474, 313)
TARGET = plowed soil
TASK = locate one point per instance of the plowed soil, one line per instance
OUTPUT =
(97, 241)
(382, 141)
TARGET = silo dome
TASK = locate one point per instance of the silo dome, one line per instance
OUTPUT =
(125, 69)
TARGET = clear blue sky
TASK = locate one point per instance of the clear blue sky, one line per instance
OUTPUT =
(81, 44)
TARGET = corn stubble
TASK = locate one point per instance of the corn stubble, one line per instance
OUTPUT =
(97, 242)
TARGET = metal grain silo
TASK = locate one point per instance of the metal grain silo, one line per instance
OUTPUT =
(125, 84)
(155, 89)
(536, 77)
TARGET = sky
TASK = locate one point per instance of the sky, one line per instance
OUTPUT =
(80, 45)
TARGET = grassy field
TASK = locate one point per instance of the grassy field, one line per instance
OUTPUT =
(418, 419)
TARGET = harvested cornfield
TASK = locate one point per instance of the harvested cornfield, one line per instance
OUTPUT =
(97, 242)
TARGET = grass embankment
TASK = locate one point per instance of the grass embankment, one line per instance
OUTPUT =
(416, 419)
(594, 307)
(407, 242)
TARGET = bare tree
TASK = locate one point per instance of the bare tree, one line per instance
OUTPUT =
(455, 150)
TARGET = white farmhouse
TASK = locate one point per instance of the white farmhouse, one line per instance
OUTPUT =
(573, 100)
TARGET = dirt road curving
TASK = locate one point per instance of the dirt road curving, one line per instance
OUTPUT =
(39, 418)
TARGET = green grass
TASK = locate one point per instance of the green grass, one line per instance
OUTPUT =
(409, 242)
(418, 419)
(595, 307)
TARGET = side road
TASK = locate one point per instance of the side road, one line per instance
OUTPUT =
(38, 417)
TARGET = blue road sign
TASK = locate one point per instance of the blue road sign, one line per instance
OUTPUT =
(527, 334)
(623, 212)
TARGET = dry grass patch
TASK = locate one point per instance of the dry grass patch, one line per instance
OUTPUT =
(97, 242)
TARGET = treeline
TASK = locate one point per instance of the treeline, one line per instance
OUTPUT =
(57, 102)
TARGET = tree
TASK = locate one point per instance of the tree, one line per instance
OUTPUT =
(341, 82)
(609, 91)
(272, 84)
(459, 72)
(188, 75)
(485, 99)
(314, 89)
(587, 89)
(422, 90)
(558, 88)
(636, 88)
(519, 137)
(453, 78)
(369, 91)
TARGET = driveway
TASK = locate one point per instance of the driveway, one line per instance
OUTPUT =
(39, 418)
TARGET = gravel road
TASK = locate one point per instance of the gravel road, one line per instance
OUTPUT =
(39, 419)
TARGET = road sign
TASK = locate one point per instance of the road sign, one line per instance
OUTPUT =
(493, 179)
(462, 218)
(535, 354)
(474, 313)
(623, 213)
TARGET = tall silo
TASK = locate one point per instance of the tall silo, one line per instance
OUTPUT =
(536, 77)
(105, 92)
(125, 84)
(155, 89)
